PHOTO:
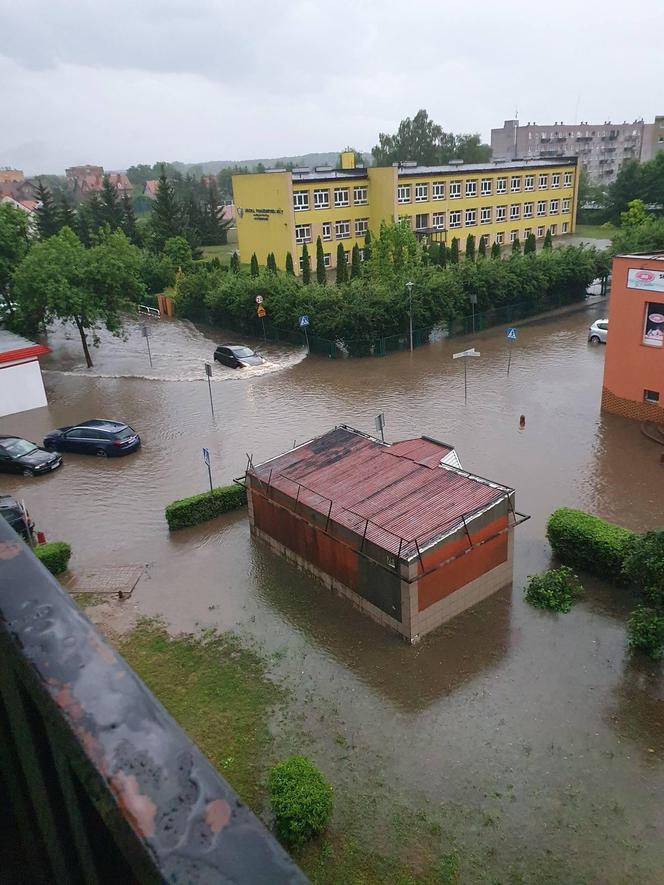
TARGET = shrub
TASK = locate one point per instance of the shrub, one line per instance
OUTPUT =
(588, 542)
(554, 589)
(643, 564)
(199, 508)
(54, 555)
(645, 631)
(301, 800)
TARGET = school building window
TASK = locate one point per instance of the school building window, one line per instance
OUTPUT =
(528, 182)
(342, 230)
(422, 221)
(471, 217)
(516, 184)
(438, 190)
(321, 199)
(501, 185)
(565, 205)
(361, 226)
(555, 179)
(327, 230)
(302, 233)
(528, 210)
(540, 232)
(485, 187)
(527, 232)
(485, 215)
(500, 238)
(471, 187)
(327, 259)
(438, 220)
(514, 235)
(341, 196)
(565, 227)
(300, 200)
(543, 181)
(501, 213)
(553, 207)
(515, 210)
(421, 192)
(554, 229)
(455, 190)
(403, 193)
(360, 197)
(567, 179)
(455, 219)
(347, 256)
(541, 207)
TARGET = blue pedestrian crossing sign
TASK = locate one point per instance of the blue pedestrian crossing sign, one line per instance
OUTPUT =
(511, 334)
(304, 320)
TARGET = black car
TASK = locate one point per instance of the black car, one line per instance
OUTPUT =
(236, 355)
(22, 456)
(17, 517)
(106, 439)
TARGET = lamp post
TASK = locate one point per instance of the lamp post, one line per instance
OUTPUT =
(409, 286)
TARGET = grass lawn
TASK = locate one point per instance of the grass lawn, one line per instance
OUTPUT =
(223, 253)
(596, 231)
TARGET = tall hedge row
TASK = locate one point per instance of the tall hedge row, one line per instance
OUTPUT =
(589, 543)
(199, 508)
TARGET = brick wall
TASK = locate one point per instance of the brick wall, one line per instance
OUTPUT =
(630, 409)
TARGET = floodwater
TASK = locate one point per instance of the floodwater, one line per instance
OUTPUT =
(533, 738)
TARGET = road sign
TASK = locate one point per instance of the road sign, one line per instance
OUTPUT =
(471, 352)
(511, 333)
(145, 331)
(465, 354)
(304, 321)
(379, 422)
(208, 370)
(206, 457)
(472, 297)
(260, 310)
(259, 299)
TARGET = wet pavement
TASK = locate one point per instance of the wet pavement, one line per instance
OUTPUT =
(534, 736)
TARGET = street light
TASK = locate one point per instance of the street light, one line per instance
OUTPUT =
(409, 286)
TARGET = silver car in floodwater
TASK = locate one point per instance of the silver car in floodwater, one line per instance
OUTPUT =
(597, 332)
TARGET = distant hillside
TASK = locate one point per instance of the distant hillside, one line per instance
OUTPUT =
(211, 167)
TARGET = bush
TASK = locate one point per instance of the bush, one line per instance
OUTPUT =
(54, 555)
(643, 565)
(588, 542)
(645, 631)
(554, 589)
(199, 508)
(301, 800)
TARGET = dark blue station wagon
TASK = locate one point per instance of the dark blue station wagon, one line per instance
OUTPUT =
(106, 439)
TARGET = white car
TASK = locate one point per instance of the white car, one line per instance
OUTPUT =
(597, 332)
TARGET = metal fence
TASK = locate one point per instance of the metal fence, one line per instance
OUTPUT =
(99, 785)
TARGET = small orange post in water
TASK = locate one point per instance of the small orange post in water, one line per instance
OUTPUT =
(522, 422)
(41, 538)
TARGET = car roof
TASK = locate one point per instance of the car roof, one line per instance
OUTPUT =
(12, 437)
(236, 346)
(98, 424)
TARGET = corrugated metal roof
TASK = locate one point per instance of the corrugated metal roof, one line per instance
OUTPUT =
(396, 493)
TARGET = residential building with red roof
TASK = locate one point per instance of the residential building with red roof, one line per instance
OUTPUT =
(21, 384)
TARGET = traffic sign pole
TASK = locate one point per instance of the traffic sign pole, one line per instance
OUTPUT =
(206, 458)
(208, 372)
(511, 335)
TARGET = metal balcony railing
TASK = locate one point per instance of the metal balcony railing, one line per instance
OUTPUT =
(99, 785)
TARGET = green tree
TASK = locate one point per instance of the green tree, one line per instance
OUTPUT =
(516, 246)
(111, 209)
(235, 262)
(60, 279)
(271, 263)
(481, 251)
(289, 265)
(13, 246)
(425, 142)
(254, 265)
(178, 251)
(628, 186)
(259, 168)
(470, 247)
(166, 219)
(530, 246)
(129, 224)
(342, 268)
(216, 225)
(454, 251)
(140, 173)
(306, 265)
(321, 276)
(66, 214)
(495, 251)
(355, 265)
(548, 240)
(367, 246)
(48, 222)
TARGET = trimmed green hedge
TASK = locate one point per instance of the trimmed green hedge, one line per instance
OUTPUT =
(200, 508)
(588, 542)
(301, 800)
(54, 555)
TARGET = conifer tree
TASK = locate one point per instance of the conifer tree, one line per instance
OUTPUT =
(442, 255)
(129, 225)
(66, 214)
(166, 219)
(516, 247)
(216, 229)
(254, 265)
(321, 276)
(454, 251)
(47, 212)
(306, 266)
(470, 247)
(271, 263)
(481, 251)
(111, 210)
(548, 240)
(495, 251)
(355, 263)
(342, 269)
(530, 246)
(235, 262)
(289, 264)
(367, 245)
(96, 214)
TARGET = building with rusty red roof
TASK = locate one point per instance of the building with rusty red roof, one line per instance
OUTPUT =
(399, 529)
(21, 385)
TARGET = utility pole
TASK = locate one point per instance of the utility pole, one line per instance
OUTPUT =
(409, 286)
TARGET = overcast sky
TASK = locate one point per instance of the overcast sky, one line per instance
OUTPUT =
(117, 82)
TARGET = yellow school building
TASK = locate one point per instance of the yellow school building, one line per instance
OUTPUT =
(279, 211)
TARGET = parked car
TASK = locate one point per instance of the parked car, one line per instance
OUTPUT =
(237, 356)
(22, 456)
(105, 439)
(598, 331)
(17, 517)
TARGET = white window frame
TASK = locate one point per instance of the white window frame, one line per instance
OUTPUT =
(567, 179)
(339, 199)
(418, 223)
(514, 235)
(500, 237)
(327, 259)
(515, 184)
(555, 180)
(527, 232)
(565, 227)
(486, 187)
(540, 231)
(553, 207)
(471, 187)
(360, 195)
(554, 230)
(361, 227)
(344, 226)
(305, 234)
(565, 205)
(501, 213)
(543, 182)
(501, 185)
(403, 193)
(438, 190)
(421, 192)
(324, 194)
(529, 182)
(300, 201)
(455, 190)
(485, 215)
(326, 234)
(541, 208)
(347, 256)
(528, 209)
(438, 220)
(470, 218)
(455, 218)
(515, 211)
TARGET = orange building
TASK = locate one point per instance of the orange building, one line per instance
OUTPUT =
(400, 530)
(634, 365)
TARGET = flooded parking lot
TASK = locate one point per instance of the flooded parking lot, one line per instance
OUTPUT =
(533, 736)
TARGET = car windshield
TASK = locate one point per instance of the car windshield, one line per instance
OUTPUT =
(18, 447)
(242, 352)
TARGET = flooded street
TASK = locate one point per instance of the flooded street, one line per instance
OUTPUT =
(533, 737)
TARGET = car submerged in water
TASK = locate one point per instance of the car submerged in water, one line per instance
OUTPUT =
(106, 439)
(598, 331)
(21, 456)
(237, 356)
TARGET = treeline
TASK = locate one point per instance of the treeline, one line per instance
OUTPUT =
(186, 207)
(375, 302)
